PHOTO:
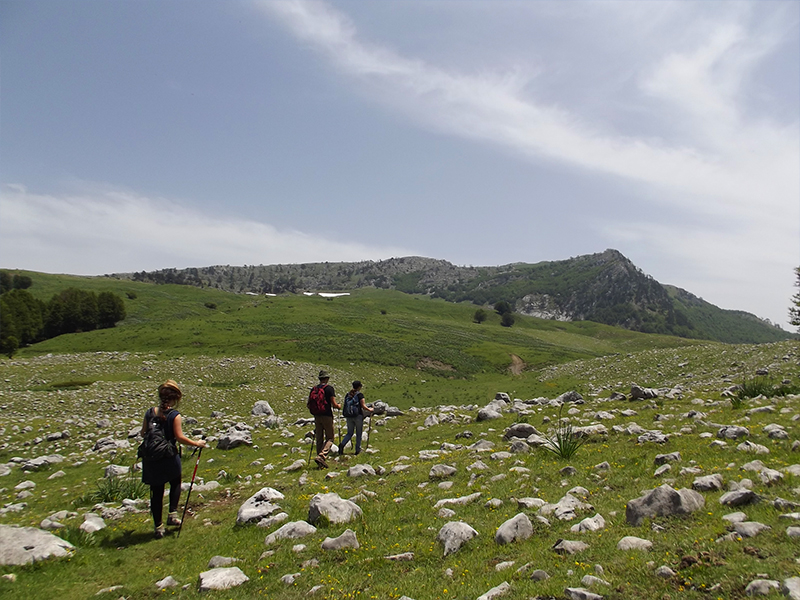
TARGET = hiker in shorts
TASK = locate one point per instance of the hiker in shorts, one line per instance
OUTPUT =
(157, 473)
(323, 422)
(354, 409)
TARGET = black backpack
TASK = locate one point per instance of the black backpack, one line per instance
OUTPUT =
(352, 405)
(155, 445)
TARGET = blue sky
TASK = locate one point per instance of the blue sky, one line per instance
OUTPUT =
(153, 134)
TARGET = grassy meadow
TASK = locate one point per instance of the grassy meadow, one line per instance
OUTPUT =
(426, 357)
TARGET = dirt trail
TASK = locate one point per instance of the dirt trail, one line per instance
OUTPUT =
(517, 366)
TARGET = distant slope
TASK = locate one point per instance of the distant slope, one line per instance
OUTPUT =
(383, 328)
(605, 288)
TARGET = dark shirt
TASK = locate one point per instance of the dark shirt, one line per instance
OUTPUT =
(329, 393)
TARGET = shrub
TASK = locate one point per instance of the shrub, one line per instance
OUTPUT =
(114, 489)
(480, 316)
(565, 442)
(131, 295)
(502, 307)
(507, 320)
(211, 305)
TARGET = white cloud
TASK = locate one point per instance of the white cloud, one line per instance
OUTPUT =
(735, 175)
(110, 230)
(728, 174)
(747, 269)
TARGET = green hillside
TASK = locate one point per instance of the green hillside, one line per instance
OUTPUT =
(605, 288)
(382, 328)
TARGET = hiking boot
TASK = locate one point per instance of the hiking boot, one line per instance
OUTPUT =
(321, 462)
(173, 520)
(161, 531)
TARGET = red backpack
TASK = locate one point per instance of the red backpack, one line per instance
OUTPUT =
(316, 400)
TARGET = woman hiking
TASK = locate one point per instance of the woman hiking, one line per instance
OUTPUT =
(158, 472)
(355, 408)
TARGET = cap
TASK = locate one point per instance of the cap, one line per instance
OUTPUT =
(324, 375)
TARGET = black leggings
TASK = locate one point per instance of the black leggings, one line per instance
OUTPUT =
(157, 499)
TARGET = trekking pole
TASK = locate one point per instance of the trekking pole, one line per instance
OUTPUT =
(339, 423)
(191, 485)
(369, 433)
(310, 448)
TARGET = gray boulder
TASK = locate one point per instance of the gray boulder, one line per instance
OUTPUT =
(454, 535)
(92, 523)
(108, 443)
(595, 523)
(41, 462)
(460, 501)
(488, 414)
(258, 506)
(571, 396)
(750, 529)
(273, 520)
(565, 509)
(732, 432)
(520, 430)
(360, 471)
(762, 587)
(663, 501)
(290, 531)
(515, 529)
(581, 594)
(168, 582)
(496, 591)
(740, 497)
(630, 542)
(791, 588)
(222, 578)
(662, 459)
(262, 409)
(233, 438)
(336, 509)
(346, 540)
(116, 471)
(569, 547)
(748, 446)
(221, 561)
(441, 471)
(26, 545)
(640, 393)
(708, 483)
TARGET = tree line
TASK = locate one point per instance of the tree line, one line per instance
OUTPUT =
(26, 320)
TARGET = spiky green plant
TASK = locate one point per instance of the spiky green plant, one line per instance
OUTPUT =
(565, 442)
(114, 489)
(757, 386)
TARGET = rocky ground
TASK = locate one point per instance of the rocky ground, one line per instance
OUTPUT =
(676, 492)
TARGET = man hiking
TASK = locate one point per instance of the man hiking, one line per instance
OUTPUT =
(321, 402)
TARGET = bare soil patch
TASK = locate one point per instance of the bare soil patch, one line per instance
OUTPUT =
(429, 363)
(517, 365)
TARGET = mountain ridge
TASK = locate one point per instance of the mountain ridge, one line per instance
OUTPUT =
(605, 287)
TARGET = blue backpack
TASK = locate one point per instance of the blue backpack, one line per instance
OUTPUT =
(352, 405)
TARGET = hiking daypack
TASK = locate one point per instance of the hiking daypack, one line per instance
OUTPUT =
(316, 400)
(155, 445)
(352, 406)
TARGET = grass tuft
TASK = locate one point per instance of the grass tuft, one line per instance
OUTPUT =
(565, 443)
(114, 489)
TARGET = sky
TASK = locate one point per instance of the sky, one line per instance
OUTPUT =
(168, 133)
